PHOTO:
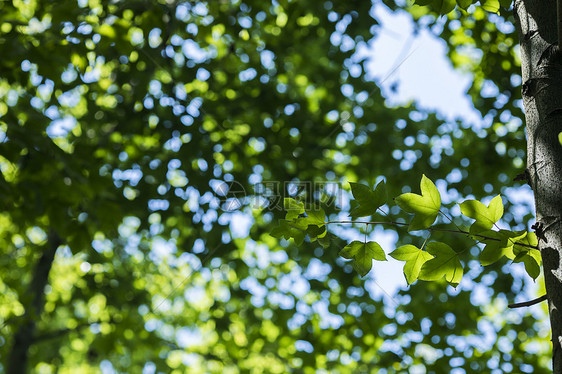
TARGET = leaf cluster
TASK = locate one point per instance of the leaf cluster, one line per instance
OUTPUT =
(432, 261)
(447, 6)
(299, 223)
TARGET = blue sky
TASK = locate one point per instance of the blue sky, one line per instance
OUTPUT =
(397, 55)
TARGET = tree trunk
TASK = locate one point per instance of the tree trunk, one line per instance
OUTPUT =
(541, 64)
(25, 333)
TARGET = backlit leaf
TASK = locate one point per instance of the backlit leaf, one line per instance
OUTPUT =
(368, 200)
(529, 240)
(464, 4)
(445, 6)
(532, 261)
(287, 230)
(293, 208)
(501, 244)
(363, 255)
(531, 257)
(491, 5)
(315, 232)
(485, 216)
(414, 258)
(445, 263)
(425, 206)
(316, 216)
(423, 2)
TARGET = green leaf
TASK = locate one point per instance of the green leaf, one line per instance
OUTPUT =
(532, 261)
(325, 240)
(502, 246)
(440, 6)
(425, 206)
(298, 227)
(531, 257)
(445, 6)
(491, 5)
(464, 4)
(302, 226)
(368, 201)
(445, 263)
(423, 2)
(316, 232)
(362, 255)
(492, 253)
(287, 230)
(414, 258)
(532, 266)
(506, 4)
(300, 223)
(560, 137)
(316, 217)
(293, 208)
(298, 237)
(485, 216)
(281, 231)
(529, 239)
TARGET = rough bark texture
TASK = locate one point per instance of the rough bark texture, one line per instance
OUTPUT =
(25, 334)
(542, 95)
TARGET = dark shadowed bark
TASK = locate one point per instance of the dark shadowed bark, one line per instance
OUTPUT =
(542, 95)
(25, 333)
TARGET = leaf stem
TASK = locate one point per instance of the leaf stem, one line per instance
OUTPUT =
(450, 219)
(382, 211)
(425, 241)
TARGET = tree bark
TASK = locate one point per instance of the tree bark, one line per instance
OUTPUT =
(25, 334)
(542, 96)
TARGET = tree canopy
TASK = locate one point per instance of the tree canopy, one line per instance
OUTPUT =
(147, 146)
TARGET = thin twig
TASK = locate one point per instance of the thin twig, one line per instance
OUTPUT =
(450, 219)
(425, 241)
(458, 231)
(528, 303)
(382, 211)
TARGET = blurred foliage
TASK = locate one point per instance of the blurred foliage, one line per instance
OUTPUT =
(131, 132)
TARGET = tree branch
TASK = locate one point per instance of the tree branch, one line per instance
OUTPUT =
(458, 231)
(528, 303)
